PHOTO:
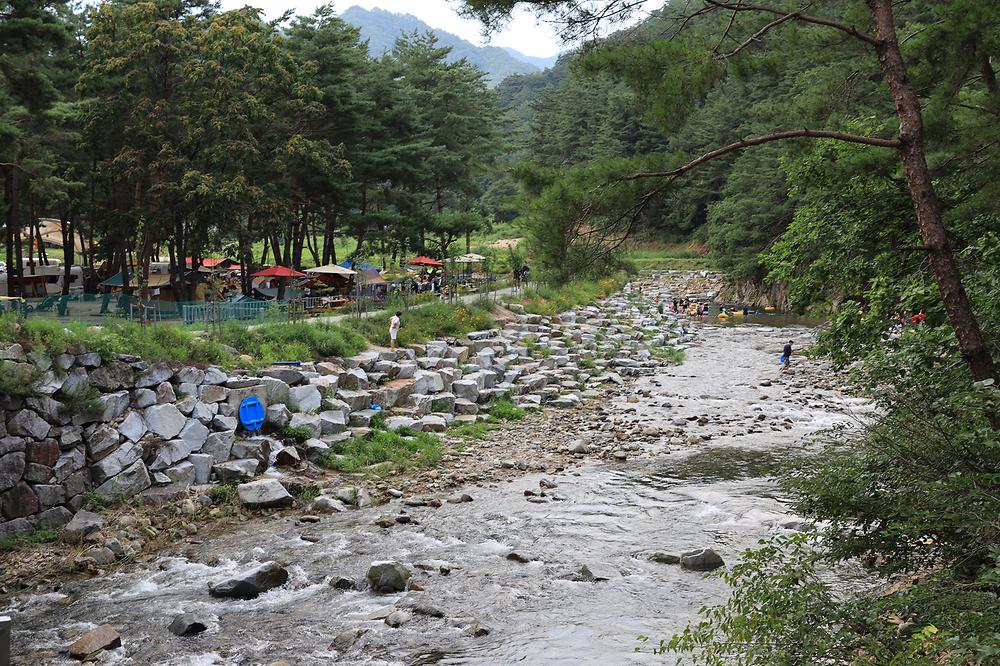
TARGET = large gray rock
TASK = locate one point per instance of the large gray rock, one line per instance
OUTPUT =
(115, 462)
(143, 398)
(704, 559)
(101, 439)
(186, 624)
(305, 398)
(18, 502)
(191, 375)
(236, 470)
(165, 393)
(13, 352)
(165, 420)
(215, 375)
(181, 474)
(465, 388)
(202, 464)
(256, 447)
(427, 381)
(251, 585)
(264, 494)
(277, 415)
(194, 433)
(277, 390)
(11, 469)
(387, 577)
(68, 463)
(289, 375)
(212, 393)
(111, 377)
(356, 400)
(155, 376)
(133, 427)
(310, 422)
(129, 483)
(219, 445)
(53, 518)
(333, 422)
(113, 405)
(50, 495)
(443, 402)
(27, 423)
(82, 524)
(170, 453)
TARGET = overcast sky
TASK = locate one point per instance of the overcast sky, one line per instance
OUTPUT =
(524, 33)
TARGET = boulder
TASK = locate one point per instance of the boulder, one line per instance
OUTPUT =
(397, 618)
(251, 585)
(202, 464)
(212, 393)
(665, 558)
(27, 423)
(309, 422)
(11, 469)
(387, 577)
(289, 375)
(465, 388)
(89, 360)
(219, 445)
(277, 415)
(277, 390)
(353, 496)
(101, 440)
(236, 470)
(53, 519)
(50, 495)
(443, 402)
(305, 398)
(104, 637)
(113, 463)
(703, 559)
(165, 420)
(143, 398)
(186, 624)
(191, 375)
(68, 463)
(324, 504)
(255, 447)
(130, 482)
(181, 474)
(169, 453)
(112, 406)
(264, 494)
(155, 376)
(287, 457)
(356, 400)
(82, 524)
(18, 502)
(194, 433)
(332, 421)
(215, 375)
(133, 427)
(111, 377)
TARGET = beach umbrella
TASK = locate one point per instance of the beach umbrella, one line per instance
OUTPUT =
(425, 261)
(278, 271)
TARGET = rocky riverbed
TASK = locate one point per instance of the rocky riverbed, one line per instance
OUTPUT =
(551, 540)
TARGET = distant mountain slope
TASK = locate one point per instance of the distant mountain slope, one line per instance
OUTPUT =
(382, 28)
(540, 63)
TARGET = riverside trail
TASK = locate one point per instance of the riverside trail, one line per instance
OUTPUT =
(502, 576)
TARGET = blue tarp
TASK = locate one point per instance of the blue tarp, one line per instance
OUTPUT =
(358, 267)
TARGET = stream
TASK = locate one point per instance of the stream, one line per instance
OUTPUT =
(719, 494)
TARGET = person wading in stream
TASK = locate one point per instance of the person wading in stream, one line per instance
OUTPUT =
(394, 328)
(786, 355)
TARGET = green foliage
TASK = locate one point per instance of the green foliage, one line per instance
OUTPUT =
(377, 421)
(224, 494)
(383, 452)
(83, 401)
(474, 431)
(298, 433)
(553, 300)
(427, 322)
(505, 410)
(94, 501)
(269, 343)
(16, 542)
(667, 353)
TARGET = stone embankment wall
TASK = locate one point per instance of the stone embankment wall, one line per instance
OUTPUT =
(156, 430)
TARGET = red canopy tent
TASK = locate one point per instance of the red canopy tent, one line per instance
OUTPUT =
(278, 271)
(426, 261)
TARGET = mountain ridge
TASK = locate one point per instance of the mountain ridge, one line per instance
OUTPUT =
(381, 28)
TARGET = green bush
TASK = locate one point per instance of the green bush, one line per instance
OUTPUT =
(83, 401)
(505, 410)
(298, 433)
(21, 541)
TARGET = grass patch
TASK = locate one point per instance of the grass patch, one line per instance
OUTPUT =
(505, 410)
(588, 362)
(429, 322)
(298, 433)
(675, 356)
(292, 341)
(224, 494)
(27, 540)
(94, 501)
(21, 383)
(474, 431)
(553, 300)
(382, 452)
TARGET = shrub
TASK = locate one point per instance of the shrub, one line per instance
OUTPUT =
(505, 410)
(82, 401)
(298, 433)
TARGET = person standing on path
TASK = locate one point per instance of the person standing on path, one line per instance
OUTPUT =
(786, 355)
(394, 328)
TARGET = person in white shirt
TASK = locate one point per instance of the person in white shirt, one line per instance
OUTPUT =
(394, 328)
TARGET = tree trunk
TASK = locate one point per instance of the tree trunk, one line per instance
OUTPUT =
(66, 225)
(925, 202)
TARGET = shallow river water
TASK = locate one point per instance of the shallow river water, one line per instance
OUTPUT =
(608, 517)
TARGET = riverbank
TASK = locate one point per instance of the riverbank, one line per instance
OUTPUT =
(535, 493)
